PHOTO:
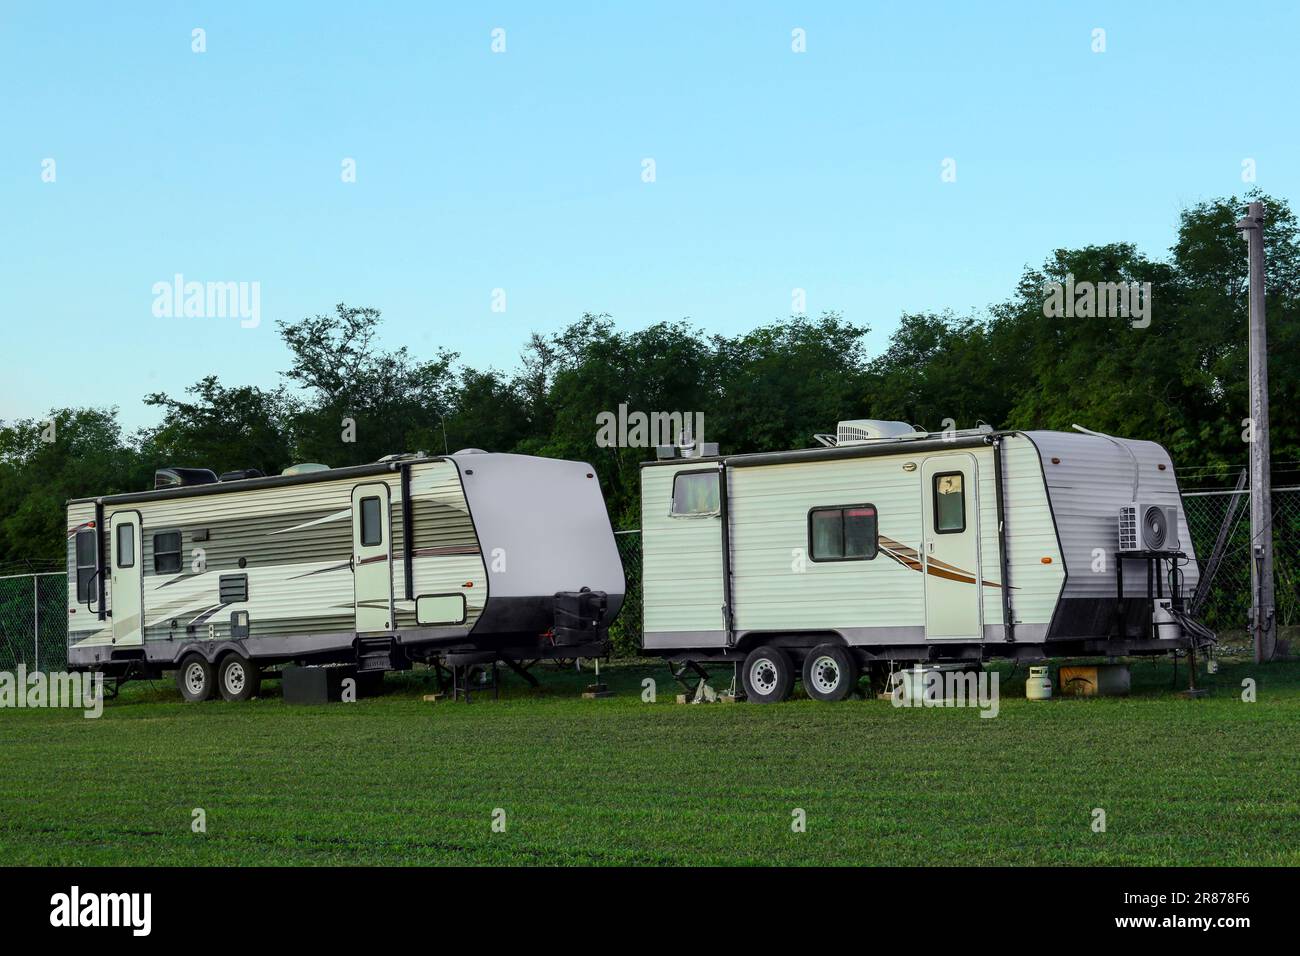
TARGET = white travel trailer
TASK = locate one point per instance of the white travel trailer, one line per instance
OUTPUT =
(412, 558)
(889, 545)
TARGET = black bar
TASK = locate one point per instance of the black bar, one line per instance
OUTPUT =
(1100, 901)
(723, 514)
(907, 446)
(1008, 617)
(249, 484)
(408, 543)
(522, 671)
(101, 555)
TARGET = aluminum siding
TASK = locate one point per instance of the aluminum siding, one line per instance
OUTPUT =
(1091, 482)
(681, 561)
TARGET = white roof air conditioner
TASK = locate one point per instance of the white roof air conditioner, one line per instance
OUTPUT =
(861, 430)
(1144, 526)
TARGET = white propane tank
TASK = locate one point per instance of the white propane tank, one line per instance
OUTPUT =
(1166, 625)
(1039, 684)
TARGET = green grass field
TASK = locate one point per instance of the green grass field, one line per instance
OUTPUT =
(395, 780)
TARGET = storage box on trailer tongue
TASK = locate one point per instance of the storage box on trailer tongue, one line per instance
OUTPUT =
(579, 616)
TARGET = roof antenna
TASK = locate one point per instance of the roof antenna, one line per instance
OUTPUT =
(1137, 471)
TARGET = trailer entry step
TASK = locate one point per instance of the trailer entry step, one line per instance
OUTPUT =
(375, 654)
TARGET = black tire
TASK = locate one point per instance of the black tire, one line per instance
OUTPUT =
(768, 675)
(238, 678)
(830, 673)
(195, 680)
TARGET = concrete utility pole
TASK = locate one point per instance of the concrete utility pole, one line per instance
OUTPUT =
(1262, 616)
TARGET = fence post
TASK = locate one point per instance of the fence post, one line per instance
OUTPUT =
(36, 619)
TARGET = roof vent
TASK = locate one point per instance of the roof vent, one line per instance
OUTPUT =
(240, 474)
(306, 468)
(183, 477)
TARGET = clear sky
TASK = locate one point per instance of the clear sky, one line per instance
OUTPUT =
(523, 170)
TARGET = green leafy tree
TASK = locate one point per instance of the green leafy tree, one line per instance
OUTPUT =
(221, 428)
(362, 402)
(74, 453)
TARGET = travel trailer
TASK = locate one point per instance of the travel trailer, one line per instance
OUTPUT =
(887, 544)
(412, 558)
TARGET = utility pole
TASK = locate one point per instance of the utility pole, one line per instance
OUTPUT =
(1262, 616)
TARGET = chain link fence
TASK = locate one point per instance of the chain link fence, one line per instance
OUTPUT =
(33, 616)
(626, 632)
(1227, 607)
(34, 622)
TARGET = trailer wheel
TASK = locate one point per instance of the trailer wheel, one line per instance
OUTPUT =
(768, 675)
(194, 679)
(829, 673)
(238, 678)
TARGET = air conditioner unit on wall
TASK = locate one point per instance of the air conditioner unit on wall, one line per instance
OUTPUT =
(1148, 527)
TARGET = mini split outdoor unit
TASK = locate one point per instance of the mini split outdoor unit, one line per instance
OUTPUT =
(1148, 527)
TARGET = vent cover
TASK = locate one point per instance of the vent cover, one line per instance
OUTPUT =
(232, 588)
(861, 430)
(183, 477)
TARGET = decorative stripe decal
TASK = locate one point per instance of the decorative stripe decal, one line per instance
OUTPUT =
(180, 577)
(208, 613)
(337, 516)
(910, 558)
(333, 567)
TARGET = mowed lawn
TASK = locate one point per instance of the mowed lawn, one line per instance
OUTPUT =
(395, 780)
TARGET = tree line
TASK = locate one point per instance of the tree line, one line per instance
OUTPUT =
(1180, 379)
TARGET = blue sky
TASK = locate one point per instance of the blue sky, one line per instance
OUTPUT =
(522, 171)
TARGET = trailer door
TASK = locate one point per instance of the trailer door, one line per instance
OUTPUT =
(372, 557)
(950, 552)
(126, 579)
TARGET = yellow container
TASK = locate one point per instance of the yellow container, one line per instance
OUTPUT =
(1094, 680)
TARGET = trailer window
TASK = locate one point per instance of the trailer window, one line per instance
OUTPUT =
(695, 493)
(845, 533)
(949, 502)
(167, 552)
(125, 546)
(85, 564)
(371, 526)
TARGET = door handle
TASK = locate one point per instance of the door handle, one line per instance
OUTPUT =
(352, 563)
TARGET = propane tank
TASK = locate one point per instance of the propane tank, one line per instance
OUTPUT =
(1039, 684)
(1166, 625)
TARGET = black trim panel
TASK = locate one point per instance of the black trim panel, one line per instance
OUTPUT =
(885, 448)
(408, 532)
(250, 484)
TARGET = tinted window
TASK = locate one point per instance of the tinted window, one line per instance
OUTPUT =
(847, 533)
(859, 532)
(85, 563)
(125, 535)
(371, 526)
(695, 493)
(949, 502)
(167, 552)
